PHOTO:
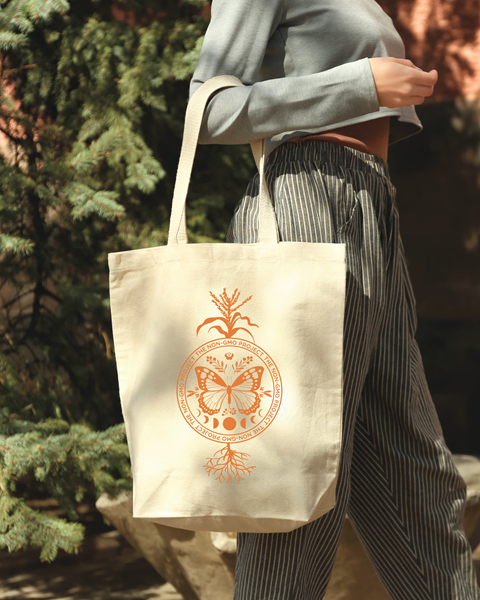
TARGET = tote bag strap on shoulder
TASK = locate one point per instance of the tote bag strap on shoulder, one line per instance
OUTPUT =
(177, 234)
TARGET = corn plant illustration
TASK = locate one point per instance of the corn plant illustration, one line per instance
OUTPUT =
(230, 314)
(229, 389)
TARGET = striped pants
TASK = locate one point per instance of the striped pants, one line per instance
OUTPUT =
(397, 482)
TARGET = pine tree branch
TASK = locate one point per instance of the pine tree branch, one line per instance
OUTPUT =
(35, 18)
(47, 292)
(40, 239)
(34, 315)
(8, 337)
(20, 68)
(6, 133)
(22, 526)
(109, 91)
(7, 304)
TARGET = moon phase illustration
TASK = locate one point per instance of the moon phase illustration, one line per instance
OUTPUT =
(260, 412)
(229, 424)
(243, 423)
(206, 419)
(199, 412)
(215, 423)
(252, 419)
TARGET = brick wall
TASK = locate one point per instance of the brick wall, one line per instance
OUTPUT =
(442, 35)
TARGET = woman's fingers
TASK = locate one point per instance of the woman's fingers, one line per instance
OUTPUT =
(402, 61)
(408, 63)
(401, 83)
(422, 90)
(419, 89)
(416, 100)
(425, 78)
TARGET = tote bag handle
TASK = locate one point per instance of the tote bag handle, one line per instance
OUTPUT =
(177, 233)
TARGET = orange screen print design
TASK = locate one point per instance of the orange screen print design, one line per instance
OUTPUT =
(229, 390)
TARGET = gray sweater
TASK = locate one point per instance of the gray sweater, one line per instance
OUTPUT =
(305, 67)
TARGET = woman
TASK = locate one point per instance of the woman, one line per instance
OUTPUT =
(327, 85)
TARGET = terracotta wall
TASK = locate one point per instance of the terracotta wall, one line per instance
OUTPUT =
(442, 35)
(438, 187)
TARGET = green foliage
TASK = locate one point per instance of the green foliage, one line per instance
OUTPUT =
(92, 104)
(466, 122)
(62, 460)
(18, 19)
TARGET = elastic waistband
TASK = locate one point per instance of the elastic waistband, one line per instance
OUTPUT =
(328, 152)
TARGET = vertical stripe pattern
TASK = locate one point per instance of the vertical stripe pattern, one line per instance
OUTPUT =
(397, 481)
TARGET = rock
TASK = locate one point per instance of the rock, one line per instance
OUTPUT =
(200, 562)
(224, 542)
(226, 546)
(469, 468)
(353, 576)
(168, 592)
(201, 565)
(186, 559)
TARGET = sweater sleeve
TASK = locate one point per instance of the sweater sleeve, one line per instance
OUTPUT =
(235, 44)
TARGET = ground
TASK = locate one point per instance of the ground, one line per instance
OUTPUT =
(108, 568)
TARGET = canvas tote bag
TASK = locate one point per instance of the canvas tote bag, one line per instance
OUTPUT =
(229, 362)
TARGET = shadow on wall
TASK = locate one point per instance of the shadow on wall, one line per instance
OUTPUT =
(442, 35)
(437, 175)
(451, 355)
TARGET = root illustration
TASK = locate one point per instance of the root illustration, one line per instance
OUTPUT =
(228, 465)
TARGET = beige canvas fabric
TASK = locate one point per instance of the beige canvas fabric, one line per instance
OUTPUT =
(230, 369)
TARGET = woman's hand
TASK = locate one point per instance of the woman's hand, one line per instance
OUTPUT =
(400, 83)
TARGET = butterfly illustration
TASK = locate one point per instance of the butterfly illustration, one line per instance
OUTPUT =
(243, 390)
